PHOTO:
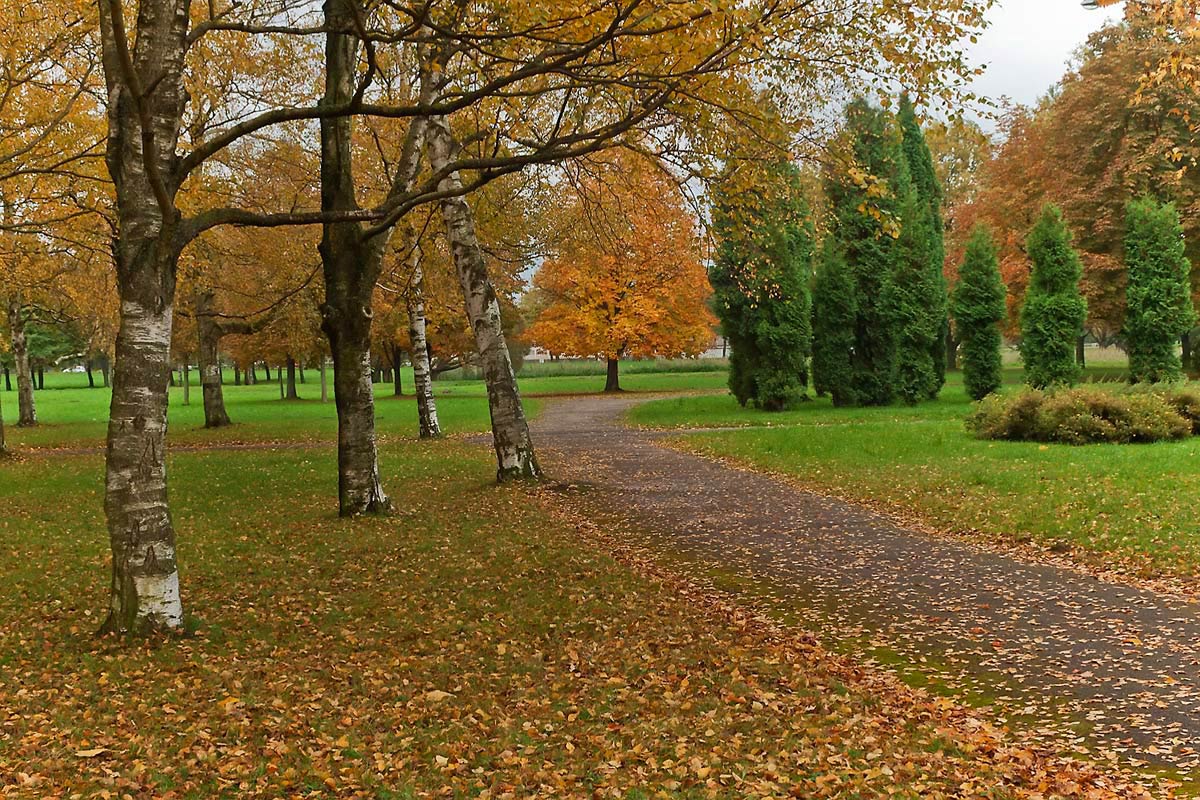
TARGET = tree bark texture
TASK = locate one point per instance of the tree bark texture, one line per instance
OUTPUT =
(612, 383)
(351, 263)
(427, 415)
(145, 98)
(292, 394)
(208, 334)
(397, 384)
(510, 429)
(26, 407)
(346, 260)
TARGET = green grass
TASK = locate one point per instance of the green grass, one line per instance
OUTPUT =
(72, 415)
(473, 641)
(1127, 505)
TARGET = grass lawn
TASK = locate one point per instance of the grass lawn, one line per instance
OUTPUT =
(72, 415)
(478, 643)
(1127, 505)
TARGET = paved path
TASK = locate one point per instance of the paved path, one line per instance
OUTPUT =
(1052, 646)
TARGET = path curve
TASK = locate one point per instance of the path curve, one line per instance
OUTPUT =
(1118, 665)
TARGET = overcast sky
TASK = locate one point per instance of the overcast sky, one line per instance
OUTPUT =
(1029, 43)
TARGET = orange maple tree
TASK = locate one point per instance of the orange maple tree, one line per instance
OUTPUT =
(623, 277)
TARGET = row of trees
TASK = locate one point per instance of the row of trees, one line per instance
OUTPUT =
(359, 128)
(878, 318)
(880, 326)
(1111, 132)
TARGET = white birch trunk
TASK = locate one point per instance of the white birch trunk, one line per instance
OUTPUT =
(510, 429)
(419, 349)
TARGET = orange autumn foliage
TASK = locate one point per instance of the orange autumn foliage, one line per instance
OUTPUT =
(624, 277)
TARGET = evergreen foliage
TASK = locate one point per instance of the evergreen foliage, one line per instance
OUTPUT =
(835, 309)
(923, 308)
(917, 303)
(978, 309)
(1159, 300)
(867, 204)
(1054, 311)
(761, 283)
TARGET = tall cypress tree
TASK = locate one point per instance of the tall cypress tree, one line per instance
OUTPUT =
(922, 367)
(1054, 311)
(1159, 297)
(761, 281)
(835, 309)
(866, 205)
(978, 310)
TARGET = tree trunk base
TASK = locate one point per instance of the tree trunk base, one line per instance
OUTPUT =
(378, 506)
(526, 469)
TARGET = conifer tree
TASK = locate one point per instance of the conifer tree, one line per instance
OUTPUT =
(922, 367)
(913, 302)
(1158, 299)
(1054, 311)
(835, 309)
(978, 310)
(867, 203)
(761, 283)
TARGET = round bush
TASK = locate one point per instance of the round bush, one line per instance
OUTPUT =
(1086, 416)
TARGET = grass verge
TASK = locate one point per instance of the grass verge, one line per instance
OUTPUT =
(1122, 506)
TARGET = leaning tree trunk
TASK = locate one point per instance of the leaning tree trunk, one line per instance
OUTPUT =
(419, 349)
(26, 409)
(510, 430)
(613, 382)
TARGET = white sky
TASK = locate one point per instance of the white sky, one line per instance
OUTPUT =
(1029, 43)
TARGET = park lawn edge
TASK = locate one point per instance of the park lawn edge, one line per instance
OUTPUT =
(1124, 568)
(1028, 768)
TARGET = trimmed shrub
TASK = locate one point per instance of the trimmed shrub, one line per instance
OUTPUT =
(1080, 416)
(1014, 418)
(1186, 403)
